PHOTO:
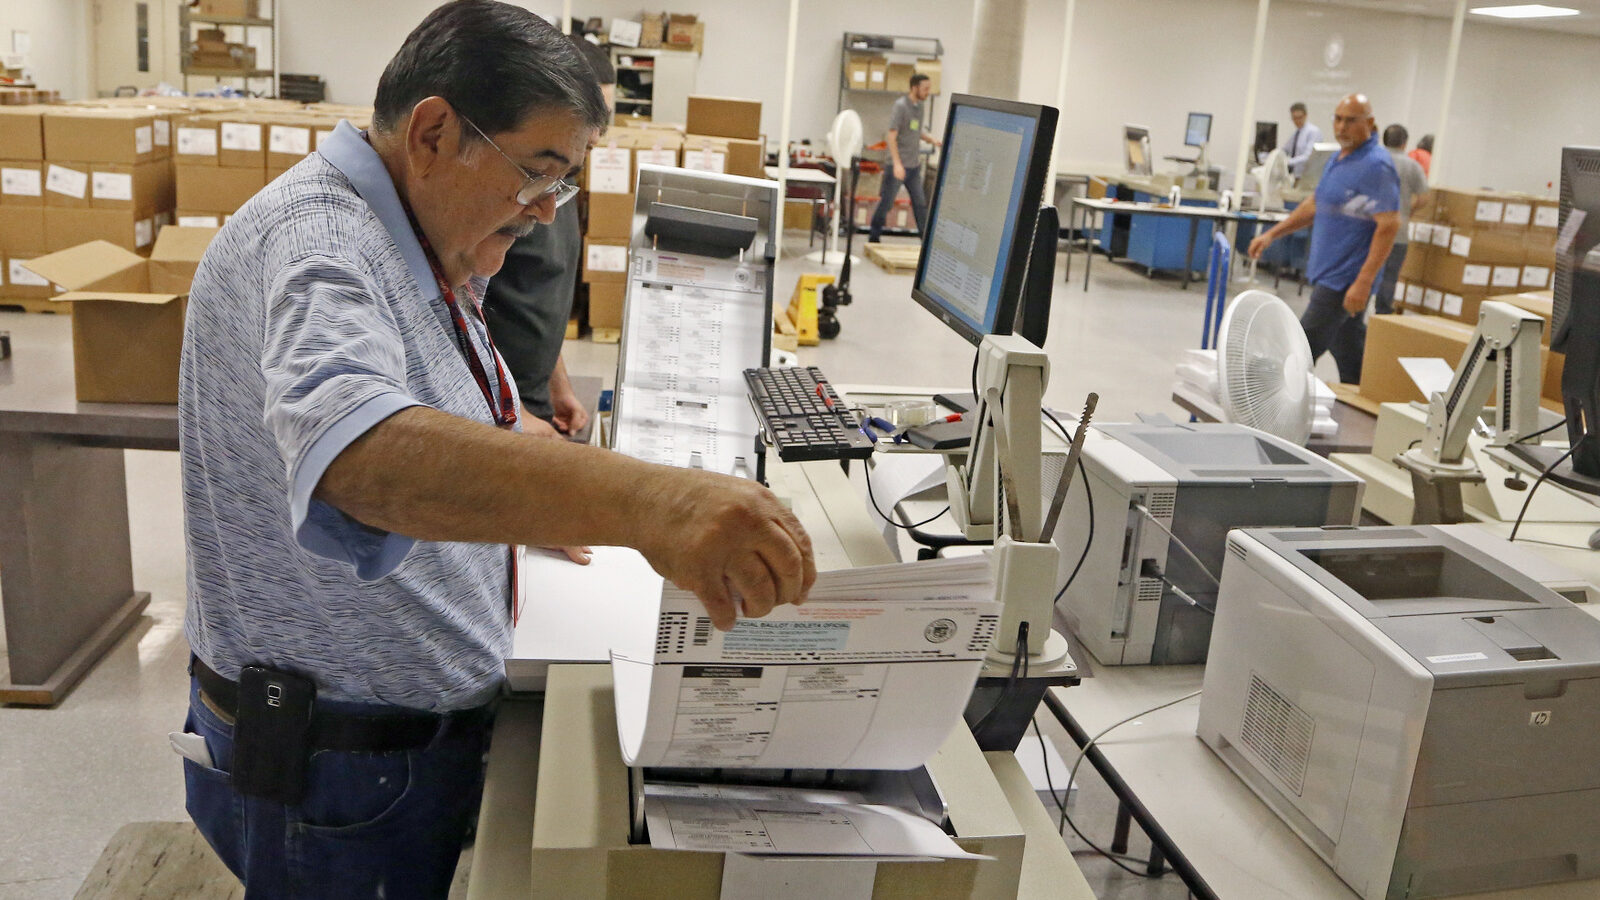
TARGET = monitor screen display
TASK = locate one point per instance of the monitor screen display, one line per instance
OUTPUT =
(980, 224)
(1198, 131)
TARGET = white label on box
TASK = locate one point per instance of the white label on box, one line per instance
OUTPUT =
(144, 231)
(67, 181)
(198, 222)
(1432, 299)
(1475, 275)
(1451, 305)
(197, 142)
(1506, 276)
(22, 182)
(1490, 210)
(859, 75)
(1414, 294)
(1441, 235)
(144, 139)
(625, 33)
(877, 75)
(1517, 213)
(705, 160)
(608, 170)
(113, 186)
(17, 272)
(608, 258)
(323, 134)
(1461, 245)
(289, 139)
(1547, 217)
(163, 133)
(1536, 276)
(658, 157)
(1421, 232)
(241, 136)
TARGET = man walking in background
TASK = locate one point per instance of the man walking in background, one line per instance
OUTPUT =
(1413, 193)
(905, 137)
(1356, 211)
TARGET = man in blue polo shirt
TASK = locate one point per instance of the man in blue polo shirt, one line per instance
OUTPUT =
(1356, 217)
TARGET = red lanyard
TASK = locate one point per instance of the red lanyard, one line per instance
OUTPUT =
(504, 406)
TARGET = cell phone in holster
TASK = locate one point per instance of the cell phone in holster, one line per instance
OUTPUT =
(272, 734)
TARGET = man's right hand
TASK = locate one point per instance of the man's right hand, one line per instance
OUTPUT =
(899, 172)
(1259, 245)
(727, 540)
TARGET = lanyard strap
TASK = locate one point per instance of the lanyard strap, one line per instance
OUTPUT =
(502, 405)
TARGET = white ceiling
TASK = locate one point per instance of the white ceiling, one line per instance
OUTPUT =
(1586, 22)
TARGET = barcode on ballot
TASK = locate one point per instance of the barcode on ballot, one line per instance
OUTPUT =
(702, 631)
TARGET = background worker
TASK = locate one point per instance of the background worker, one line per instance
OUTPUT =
(905, 138)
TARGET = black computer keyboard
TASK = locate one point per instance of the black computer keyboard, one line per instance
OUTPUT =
(804, 418)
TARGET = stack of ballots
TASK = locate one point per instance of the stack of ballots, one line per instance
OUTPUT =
(1197, 383)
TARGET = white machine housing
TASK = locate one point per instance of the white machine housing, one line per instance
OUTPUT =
(1412, 703)
(1199, 480)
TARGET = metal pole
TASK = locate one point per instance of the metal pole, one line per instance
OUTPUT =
(783, 129)
(1061, 94)
(566, 16)
(1247, 126)
(1435, 169)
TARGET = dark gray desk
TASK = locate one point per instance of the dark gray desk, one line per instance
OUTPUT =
(66, 570)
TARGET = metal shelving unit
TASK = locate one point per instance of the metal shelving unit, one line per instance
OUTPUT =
(660, 89)
(186, 22)
(873, 105)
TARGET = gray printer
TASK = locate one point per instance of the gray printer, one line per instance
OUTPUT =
(1198, 480)
(1421, 711)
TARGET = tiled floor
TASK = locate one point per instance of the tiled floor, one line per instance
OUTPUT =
(70, 776)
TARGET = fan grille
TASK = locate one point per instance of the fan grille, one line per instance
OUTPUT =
(1262, 347)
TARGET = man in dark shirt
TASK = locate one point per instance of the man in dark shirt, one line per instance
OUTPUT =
(528, 303)
(905, 139)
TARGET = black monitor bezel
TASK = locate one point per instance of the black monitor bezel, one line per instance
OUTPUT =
(1273, 128)
(1027, 214)
(1210, 121)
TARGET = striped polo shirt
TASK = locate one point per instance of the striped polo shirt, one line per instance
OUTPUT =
(314, 316)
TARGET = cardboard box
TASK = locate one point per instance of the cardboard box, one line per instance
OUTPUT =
(857, 67)
(241, 144)
(21, 182)
(605, 261)
(705, 154)
(18, 282)
(1474, 209)
(146, 189)
(610, 217)
(22, 132)
(1494, 246)
(66, 184)
(236, 9)
(1546, 216)
(652, 29)
(610, 169)
(1454, 273)
(877, 73)
(685, 33)
(1389, 338)
(64, 228)
(798, 213)
(217, 189)
(747, 158)
(932, 68)
(897, 77)
(1541, 304)
(117, 135)
(1418, 257)
(126, 334)
(288, 142)
(656, 148)
(189, 218)
(22, 228)
(197, 141)
(605, 303)
(176, 256)
(724, 117)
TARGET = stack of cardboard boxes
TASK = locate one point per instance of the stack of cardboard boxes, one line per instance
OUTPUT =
(224, 158)
(21, 201)
(1466, 246)
(107, 175)
(609, 178)
(724, 135)
(212, 50)
(875, 72)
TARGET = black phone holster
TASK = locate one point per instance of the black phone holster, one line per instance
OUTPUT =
(272, 734)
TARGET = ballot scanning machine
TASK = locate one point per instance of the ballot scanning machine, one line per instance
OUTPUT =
(1137, 597)
(1420, 704)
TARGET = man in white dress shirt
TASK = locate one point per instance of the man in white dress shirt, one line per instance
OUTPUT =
(1298, 147)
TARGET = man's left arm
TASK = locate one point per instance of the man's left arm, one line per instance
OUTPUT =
(568, 411)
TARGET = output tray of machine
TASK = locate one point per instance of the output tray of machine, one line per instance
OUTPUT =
(1414, 705)
(1197, 480)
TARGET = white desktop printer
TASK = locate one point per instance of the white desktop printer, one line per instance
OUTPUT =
(1420, 709)
(1199, 480)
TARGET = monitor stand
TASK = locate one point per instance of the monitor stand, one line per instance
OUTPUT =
(1542, 457)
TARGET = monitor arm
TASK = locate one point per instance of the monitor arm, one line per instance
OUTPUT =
(998, 495)
(1504, 353)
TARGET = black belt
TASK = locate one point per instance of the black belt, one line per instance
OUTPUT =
(348, 732)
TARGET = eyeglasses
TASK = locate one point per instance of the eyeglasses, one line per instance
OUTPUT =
(534, 186)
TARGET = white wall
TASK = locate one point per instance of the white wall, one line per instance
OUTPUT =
(60, 30)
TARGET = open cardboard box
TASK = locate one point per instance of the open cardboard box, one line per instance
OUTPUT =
(127, 323)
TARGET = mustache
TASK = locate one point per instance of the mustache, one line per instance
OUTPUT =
(515, 230)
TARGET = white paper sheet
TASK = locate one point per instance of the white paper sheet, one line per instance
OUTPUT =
(871, 673)
(789, 827)
(1430, 374)
(575, 614)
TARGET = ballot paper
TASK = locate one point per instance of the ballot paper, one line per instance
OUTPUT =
(872, 672)
(571, 613)
(768, 821)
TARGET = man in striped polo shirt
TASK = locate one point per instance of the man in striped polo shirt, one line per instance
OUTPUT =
(353, 473)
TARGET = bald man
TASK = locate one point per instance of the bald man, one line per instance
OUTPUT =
(1356, 217)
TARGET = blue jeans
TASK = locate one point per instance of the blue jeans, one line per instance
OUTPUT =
(1387, 279)
(1329, 328)
(371, 824)
(891, 188)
